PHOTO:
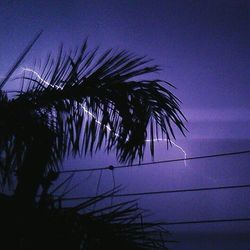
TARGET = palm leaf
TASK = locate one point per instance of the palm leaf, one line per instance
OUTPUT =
(110, 88)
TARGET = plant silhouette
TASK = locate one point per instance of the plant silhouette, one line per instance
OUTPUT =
(48, 119)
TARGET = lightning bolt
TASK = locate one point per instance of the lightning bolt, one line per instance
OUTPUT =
(96, 119)
(176, 145)
(40, 78)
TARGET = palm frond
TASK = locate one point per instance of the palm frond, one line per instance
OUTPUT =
(119, 226)
(86, 90)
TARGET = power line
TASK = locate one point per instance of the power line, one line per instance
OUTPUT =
(20, 59)
(111, 167)
(163, 192)
(206, 221)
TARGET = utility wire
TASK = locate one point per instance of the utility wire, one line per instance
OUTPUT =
(164, 192)
(20, 59)
(206, 221)
(111, 167)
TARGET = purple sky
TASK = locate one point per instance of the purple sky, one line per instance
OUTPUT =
(203, 48)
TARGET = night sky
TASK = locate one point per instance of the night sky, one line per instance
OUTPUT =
(203, 49)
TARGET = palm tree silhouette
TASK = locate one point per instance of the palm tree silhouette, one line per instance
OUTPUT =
(78, 103)
(47, 119)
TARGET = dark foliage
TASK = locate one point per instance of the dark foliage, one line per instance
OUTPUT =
(118, 226)
(53, 108)
(79, 103)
